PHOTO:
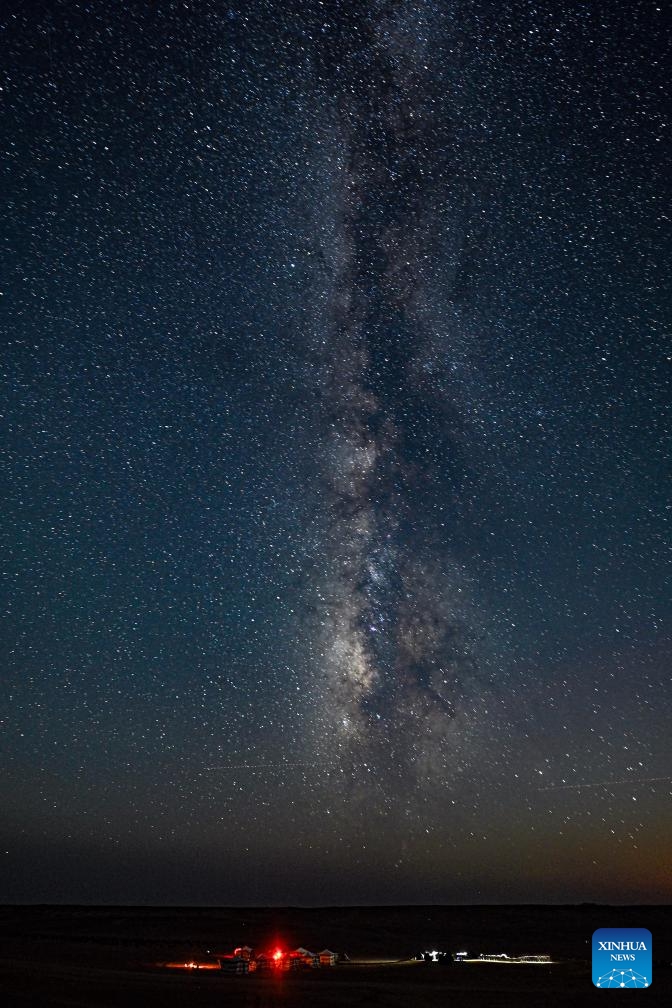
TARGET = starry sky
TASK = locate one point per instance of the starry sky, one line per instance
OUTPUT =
(336, 426)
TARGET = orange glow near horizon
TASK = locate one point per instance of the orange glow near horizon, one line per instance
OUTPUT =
(189, 965)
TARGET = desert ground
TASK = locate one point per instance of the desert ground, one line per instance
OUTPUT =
(95, 957)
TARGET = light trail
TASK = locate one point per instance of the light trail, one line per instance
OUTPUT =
(605, 784)
(259, 766)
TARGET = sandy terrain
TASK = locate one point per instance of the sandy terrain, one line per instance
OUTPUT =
(90, 957)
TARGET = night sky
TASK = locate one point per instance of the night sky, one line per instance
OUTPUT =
(336, 452)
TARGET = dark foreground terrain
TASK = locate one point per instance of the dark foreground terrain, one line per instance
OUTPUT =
(90, 957)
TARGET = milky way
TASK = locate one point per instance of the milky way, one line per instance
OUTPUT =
(397, 645)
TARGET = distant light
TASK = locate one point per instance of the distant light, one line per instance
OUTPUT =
(277, 954)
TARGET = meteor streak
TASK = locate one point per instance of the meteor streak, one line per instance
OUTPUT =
(258, 766)
(599, 784)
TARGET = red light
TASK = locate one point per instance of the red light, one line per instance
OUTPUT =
(277, 954)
